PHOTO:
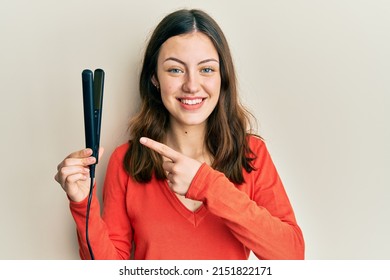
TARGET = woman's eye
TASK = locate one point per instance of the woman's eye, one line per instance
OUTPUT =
(207, 70)
(175, 71)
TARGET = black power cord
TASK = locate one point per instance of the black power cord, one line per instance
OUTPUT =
(92, 172)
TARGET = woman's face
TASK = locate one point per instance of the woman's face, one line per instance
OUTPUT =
(189, 78)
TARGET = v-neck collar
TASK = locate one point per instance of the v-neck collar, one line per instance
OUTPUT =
(194, 217)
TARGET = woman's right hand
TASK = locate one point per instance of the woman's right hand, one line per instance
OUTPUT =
(73, 174)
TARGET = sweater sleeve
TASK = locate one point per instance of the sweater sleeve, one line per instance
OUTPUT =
(258, 213)
(110, 235)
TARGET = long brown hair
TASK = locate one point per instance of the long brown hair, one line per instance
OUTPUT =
(226, 136)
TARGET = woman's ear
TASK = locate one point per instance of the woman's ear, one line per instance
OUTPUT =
(155, 82)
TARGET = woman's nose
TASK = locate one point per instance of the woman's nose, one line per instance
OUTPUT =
(191, 83)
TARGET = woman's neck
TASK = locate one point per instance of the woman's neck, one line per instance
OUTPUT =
(188, 140)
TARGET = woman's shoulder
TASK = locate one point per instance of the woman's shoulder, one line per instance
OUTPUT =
(122, 148)
(258, 147)
(255, 141)
(120, 151)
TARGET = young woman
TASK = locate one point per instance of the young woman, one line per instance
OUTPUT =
(192, 182)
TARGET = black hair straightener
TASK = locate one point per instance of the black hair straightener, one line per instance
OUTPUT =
(93, 100)
(93, 84)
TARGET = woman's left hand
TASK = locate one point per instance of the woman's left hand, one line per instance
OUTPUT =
(180, 169)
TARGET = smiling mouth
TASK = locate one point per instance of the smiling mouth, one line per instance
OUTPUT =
(194, 101)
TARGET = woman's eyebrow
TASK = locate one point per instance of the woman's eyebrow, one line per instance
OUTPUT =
(175, 59)
(182, 62)
(208, 60)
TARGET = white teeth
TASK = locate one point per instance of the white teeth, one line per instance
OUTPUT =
(191, 101)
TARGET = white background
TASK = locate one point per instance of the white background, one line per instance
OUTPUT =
(314, 73)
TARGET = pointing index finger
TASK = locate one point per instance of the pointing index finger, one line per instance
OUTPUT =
(160, 148)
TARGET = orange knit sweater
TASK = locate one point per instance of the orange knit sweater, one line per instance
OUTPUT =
(232, 221)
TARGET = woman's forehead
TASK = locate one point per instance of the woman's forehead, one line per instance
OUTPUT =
(195, 46)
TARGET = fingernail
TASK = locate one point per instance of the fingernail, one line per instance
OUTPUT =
(142, 140)
(89, 160)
